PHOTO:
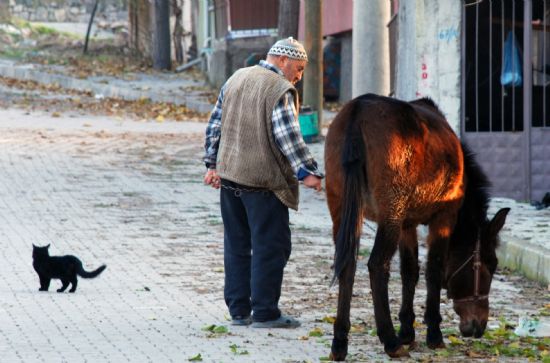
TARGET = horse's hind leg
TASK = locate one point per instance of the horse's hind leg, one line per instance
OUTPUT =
(437, 244)
(385, 245)
(342, 324)
(408, 252)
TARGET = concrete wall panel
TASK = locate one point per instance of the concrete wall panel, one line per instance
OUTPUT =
(428, 61)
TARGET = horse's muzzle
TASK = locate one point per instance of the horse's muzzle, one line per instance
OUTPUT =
(472, 328)
(473, 317)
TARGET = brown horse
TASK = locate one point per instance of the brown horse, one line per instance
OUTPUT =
(400, 164)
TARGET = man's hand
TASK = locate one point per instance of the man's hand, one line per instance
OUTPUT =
(212, 178)
(312, 181)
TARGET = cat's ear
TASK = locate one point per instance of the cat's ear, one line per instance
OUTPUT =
(34, 246)
(48, 246)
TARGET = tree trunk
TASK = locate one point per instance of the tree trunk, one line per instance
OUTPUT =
(141, 26)
(178, 31)
(289, 13)
(4, 11)
(161, 36)
(90, 26)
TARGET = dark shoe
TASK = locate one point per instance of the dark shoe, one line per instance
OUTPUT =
(284, 322)
(241, 320)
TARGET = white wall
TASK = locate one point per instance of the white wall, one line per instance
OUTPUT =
(429, 58)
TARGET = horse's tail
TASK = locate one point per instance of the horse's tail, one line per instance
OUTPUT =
(355, 184)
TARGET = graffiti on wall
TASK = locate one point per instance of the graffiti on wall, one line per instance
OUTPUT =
(448, 34)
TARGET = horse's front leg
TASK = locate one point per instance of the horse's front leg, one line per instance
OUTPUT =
(342, 324)
(408, 252)
(385, 244)
(438, 240)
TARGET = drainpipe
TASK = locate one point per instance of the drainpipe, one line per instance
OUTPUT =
(527, 93)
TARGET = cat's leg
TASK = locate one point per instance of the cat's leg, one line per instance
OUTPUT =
(44, 283)
(65, 283)
(74, 282)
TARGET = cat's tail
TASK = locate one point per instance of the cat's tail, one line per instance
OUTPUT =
(88, 275)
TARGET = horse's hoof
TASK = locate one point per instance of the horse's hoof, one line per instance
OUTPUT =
(436, 345)
(406, 339)
(337, 357)
(339, 349)
(400, 352)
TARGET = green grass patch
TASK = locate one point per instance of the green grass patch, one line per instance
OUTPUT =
(13, 53)
(43, 30)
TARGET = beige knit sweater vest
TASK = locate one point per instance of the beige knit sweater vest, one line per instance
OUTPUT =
(248, 153)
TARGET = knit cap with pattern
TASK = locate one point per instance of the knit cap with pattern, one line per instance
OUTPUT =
(289, 47)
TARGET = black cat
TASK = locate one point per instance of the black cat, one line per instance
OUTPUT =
(59, 267)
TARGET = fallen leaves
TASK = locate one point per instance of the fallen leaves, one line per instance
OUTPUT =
(235, 350)
(499, 342)
(141, 109)
(329, 319)
(455, 340)
(215, 330)
(316, 332)
(195, 358)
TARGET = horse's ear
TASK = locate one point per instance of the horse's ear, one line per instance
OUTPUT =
(498, 220)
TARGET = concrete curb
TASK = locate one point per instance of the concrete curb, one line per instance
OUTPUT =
(525, 258)
(524, 240)
(28, 72)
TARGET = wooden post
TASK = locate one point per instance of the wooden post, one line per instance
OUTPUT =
(161, 35)
(289, 15)
(313, 76)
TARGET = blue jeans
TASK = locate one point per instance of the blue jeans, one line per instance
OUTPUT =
(256, 249)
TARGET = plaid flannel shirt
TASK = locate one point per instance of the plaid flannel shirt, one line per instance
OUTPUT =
(286, 130)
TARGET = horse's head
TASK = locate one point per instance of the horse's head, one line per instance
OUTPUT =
(469, 272)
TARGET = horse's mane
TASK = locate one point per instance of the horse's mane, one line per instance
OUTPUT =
(427, 101)
(473, 213)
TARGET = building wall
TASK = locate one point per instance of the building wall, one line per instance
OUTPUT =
(67, 10)
(228, 55)
(429, 53)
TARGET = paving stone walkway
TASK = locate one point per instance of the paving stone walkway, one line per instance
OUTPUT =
(136, 202)
(130, 195)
